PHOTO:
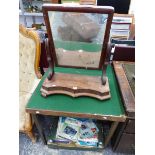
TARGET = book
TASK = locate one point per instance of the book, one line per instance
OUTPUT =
(119, 33)
(88, 2)
(123, 42)
(87, 144)
(60, 124)
(73, 121)
(122, 20)
(88, 134)
(69, 131)
(70, 1)
(68, 128)
(120, 26)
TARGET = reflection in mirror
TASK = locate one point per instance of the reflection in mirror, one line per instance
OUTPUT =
(78, 37)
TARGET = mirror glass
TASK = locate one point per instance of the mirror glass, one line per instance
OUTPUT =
(78, 37)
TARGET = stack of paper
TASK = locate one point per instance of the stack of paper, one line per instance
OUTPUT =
(70, 1)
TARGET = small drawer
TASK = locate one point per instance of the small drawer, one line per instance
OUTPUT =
(130, 127)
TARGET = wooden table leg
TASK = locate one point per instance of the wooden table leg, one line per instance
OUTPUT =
(111, 132)
(40, 129)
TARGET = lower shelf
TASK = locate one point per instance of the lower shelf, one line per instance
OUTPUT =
(72, 146)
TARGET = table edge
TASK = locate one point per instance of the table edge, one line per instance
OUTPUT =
(127, 96)
(120, 118)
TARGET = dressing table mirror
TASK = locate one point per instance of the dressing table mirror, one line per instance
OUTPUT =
(78, 38)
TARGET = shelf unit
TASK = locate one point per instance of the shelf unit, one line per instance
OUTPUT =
(27, 18)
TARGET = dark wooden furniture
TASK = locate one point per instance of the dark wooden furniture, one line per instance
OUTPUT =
(124, 138)
(81, 21)
(83, 107)
(124, 53)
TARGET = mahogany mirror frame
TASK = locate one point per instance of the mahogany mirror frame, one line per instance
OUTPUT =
(79, 9)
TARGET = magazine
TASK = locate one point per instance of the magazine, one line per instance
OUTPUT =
(73, 121)
(83, 132)
(69, 131)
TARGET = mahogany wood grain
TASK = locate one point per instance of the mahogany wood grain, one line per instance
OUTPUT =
(121, 118)
(86, 86)
(126, 92)
(76, 85)
(86, 9)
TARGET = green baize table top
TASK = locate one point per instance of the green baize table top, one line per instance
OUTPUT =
(112, 107)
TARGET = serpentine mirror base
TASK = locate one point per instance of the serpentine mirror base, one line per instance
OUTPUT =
(76, 85)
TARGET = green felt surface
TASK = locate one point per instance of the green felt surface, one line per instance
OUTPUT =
(75, 45)
(86, 105)
(130, 73)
